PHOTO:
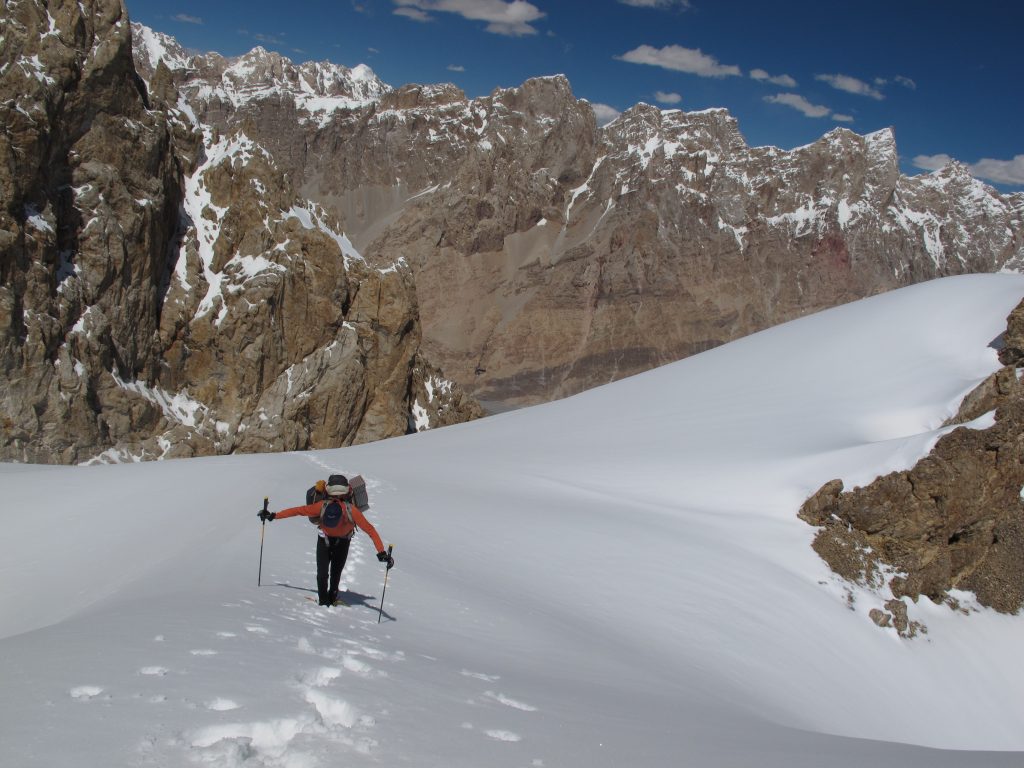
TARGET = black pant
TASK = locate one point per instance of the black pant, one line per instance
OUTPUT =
(331, 554)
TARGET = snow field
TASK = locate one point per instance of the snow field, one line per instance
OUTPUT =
(616, 578)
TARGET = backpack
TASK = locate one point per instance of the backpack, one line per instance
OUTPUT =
(359, 497)
(313, 496)
(333, 512)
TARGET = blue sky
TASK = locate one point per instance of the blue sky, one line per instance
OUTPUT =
(946, 75)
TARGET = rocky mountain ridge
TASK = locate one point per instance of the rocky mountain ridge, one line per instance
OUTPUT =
(205, 255)
(551, 255)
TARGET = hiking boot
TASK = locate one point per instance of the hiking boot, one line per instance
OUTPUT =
(332, 597)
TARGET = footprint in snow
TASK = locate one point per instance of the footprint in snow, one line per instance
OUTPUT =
(352, 664)
(321, 677)
(225, 635)
(504, 735)
(334, 711)
(85, 692)
(257, 629)
(221, 705)
(154, 671)
(203, 652)
(235, 743)
(482, 676)
(503, 699)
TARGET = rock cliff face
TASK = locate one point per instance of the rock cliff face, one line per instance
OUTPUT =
(955, 521)
(665, 236)
(91, 196)
(551, 255)
(166, 291)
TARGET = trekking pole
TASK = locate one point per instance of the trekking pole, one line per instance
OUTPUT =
(259, 577)
(390, 547)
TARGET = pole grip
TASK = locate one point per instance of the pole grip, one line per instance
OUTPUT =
(263, 528)
(380, 611)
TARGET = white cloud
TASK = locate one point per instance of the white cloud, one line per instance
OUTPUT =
(413, 13)
(783, 80)
(667, 98)
(268, 39)
(456, 68)
(842, 118)
(187, 19)
(604, 113)
(799, 103)
(999, 171)
(851, 85)
(684, 4)
(503, 18)
(906, 82)
(675, 57)
(932, 162)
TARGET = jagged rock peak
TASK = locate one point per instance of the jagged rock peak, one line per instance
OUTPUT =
(952, 174)
(549, 86)
(705, 130)
(316, 87)
(879, 146)
(543, 100)
(262, 68)
(152, 47)
(419, 96)
(882, 141)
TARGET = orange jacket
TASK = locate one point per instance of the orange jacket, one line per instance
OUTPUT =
(345, 528)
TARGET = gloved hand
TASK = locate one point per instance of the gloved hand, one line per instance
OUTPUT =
(384, 557)
(264, 515)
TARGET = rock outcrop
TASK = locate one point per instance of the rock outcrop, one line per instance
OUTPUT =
(955, 521)
(551, 255)
(166, 291)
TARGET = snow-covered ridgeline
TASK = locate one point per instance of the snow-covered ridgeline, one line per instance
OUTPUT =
(318, 89)
(706, 155)
(702, 153)
(156, 47)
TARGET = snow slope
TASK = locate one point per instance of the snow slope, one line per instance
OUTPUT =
(619, 577)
